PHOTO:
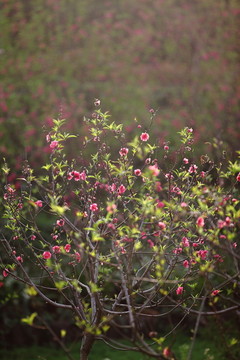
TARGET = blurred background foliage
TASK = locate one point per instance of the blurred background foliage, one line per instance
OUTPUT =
(178, 56)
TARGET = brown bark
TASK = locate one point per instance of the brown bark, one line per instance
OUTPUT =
(87, 343)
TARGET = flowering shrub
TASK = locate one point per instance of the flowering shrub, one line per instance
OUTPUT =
(132, 232)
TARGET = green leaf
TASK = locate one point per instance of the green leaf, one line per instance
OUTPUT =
(29, 320)
(63, 333)
(47, 166)
(60, 284)
(5, 168)
(94, 287)
(59, 210)
(30, 290)
(59, 122)
(233, 341)
(137, 245)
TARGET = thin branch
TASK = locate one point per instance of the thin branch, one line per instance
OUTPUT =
(196, 328)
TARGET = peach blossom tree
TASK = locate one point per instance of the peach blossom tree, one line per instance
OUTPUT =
(135, 236)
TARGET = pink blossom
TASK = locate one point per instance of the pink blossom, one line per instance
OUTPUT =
(177, 251)
(221, 224)
(228, 221)
(202, 254)
(185, 242)
(218, 258)
(117, 243)
(38, 203)
(5, 273)
(167, 352)
(144, 136)
(186, 161)
(162, 225)
(190, 130)
(148, 161)
(238, 177)
(10, 189)
(123, 151)
(151, 243)
(168, 176)
(121, 189)
(160, 204)
(111, 226)
(83, 175)
(94, 207)
(158, 186)
(75, 175)
(137, 172)
(113, 188)
(183, 204)
(176, 190)
(152, 111)
(215, 292)
(67, 248)
(111, 208)
(202, 174)
(47, 255)
(48, 138)
(166, 147)
(20, 259)
(186, 264)
(97, 102)
(154, 170)
(77, 256)
(179, 290)
(192, 169)
(54, 144)
(33, 237)
(200, 221)
(56, 249)
(60, 222)
(69, 176)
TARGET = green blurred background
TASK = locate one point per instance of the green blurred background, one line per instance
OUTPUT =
(178, 56)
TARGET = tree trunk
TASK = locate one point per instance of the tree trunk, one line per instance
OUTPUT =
(87, 343)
